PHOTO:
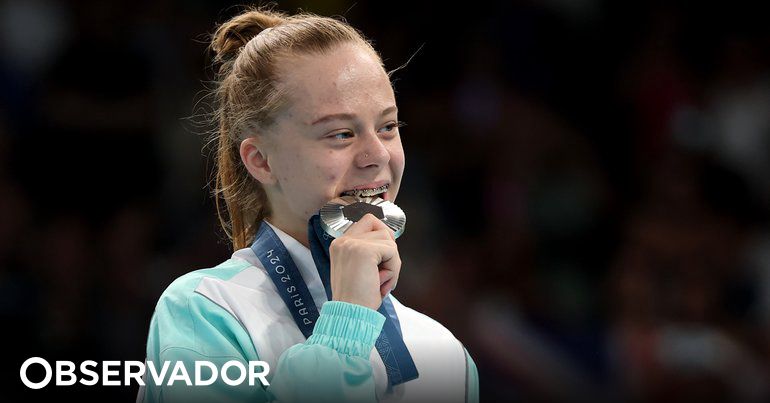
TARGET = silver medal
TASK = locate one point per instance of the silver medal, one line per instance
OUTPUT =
(339, 214)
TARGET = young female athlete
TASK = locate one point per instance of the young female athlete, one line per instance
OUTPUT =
(306, 113)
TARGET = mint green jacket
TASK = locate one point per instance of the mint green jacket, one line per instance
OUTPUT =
(331, 366)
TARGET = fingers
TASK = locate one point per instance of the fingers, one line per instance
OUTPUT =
(389, 270)
(385, 289)
(388, 280)
(370, 243)
(386, 254)
(388, 277)
(381, 234)
(369, 223)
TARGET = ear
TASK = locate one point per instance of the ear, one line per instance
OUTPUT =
(254, 158)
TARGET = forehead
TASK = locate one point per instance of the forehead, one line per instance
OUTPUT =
(348, 79)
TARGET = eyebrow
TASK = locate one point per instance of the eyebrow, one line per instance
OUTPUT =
(349, 116)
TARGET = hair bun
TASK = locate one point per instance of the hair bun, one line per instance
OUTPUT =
(231, 36)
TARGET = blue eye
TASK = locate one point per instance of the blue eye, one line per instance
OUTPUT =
(348, 134)
(393, 126)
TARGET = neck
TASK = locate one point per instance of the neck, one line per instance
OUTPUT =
(297, 232)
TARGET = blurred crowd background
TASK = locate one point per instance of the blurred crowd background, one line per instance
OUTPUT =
(587, 185)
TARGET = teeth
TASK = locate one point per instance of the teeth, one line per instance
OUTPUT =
(366, 192)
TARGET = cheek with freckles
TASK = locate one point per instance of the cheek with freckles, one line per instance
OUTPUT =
(313, 181)
(320, 185)
(328, 172)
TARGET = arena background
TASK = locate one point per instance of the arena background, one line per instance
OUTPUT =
(587, 185)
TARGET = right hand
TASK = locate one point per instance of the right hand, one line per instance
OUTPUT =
(364, 263)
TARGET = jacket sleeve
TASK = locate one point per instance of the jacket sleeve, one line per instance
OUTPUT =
(332, 365)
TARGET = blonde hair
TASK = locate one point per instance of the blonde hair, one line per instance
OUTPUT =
(249, 48)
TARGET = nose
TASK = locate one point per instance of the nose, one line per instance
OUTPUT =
(372, 152)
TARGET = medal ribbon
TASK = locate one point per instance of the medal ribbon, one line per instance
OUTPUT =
(283, 272)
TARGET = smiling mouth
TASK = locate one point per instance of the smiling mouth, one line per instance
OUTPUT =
(366, 192)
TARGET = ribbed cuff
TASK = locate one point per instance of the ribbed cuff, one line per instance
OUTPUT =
(347, 328)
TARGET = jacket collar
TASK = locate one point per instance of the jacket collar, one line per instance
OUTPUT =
(301, 256)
